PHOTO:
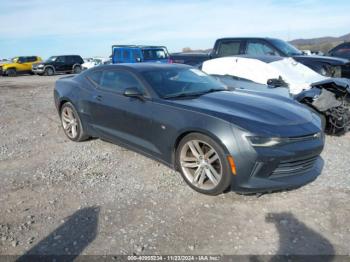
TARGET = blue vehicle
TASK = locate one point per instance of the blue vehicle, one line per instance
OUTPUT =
(136, 54)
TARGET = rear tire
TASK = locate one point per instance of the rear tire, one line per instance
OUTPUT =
(204, 169)
(77, 70)
(11, 72)
(71, 123)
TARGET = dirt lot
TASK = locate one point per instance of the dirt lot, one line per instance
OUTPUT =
(57, 196)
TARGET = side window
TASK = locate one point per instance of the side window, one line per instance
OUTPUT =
(118, 81)
(61, 59)
(95, 77)
(31, 59)
(22, 59)
(229, 48)
(342, 51)
(256, 48)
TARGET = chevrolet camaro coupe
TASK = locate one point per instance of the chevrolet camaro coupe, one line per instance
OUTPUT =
(217, 139)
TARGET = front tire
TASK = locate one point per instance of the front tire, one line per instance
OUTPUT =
(203, 164)
(49, 71)
(11, 72)
(71, 123)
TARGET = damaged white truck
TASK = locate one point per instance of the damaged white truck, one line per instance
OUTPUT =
(329, 97)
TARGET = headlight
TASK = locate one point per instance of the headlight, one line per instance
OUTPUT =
(40, 66)
(259, 141)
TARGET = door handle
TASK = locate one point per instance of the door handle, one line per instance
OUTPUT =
(98, 98)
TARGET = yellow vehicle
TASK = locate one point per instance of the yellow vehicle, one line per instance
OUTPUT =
(19, 65)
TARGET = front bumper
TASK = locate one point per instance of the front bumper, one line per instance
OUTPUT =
(38, 70)
(273, 169)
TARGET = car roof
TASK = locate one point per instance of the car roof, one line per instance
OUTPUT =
(140, 67)
(138, 46)
(246, 38)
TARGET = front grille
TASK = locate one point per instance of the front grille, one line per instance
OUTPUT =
(294, 167)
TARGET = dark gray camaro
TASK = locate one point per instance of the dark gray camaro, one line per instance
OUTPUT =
(186, 119)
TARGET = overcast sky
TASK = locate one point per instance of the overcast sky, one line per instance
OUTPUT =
(90, 27)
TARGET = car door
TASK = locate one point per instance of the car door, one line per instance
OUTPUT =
(21, 64)
(119, 118)
(60, 64)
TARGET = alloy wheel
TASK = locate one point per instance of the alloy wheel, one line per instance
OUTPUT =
(201, 164)
(69, 122)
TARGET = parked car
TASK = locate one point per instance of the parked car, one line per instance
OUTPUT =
(96, 62)
(19, 65)
(329, 97)
(59, 64)
(324, 65)
(342, 51)
(189, 121)
(136, 54)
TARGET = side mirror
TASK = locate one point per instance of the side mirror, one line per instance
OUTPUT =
(133, 92)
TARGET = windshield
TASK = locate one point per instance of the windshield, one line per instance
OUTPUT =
(286, 48)
(51, 59)
(154, 54)
(175, 82)
(15, 59)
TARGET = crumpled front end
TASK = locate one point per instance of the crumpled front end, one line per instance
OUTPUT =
(331, 98)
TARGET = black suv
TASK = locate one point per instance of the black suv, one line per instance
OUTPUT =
(59, 64)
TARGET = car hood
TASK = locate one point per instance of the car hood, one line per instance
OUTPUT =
(267, 114)
(327, 59)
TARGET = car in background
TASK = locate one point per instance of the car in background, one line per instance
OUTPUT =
(19, 65)
(326, 96)
(96, 62)
(59, 64)
(342, 51)
(217, 139)
(137, 54)
(257, 46)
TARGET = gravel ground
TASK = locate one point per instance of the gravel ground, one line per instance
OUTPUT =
(61, 197)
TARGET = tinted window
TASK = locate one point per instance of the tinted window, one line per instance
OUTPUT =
(31, 59)
(154, 54)
(229, 48)
(61, 59)
(96, 77)
(342, 51)
(118, 81)
(256, 48)
(22, 59)
(171, 82)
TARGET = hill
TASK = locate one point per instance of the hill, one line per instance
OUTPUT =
(323, 44)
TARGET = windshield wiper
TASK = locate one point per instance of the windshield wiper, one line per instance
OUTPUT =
(195, 94)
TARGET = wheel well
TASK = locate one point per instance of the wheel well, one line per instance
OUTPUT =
(61, 104)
